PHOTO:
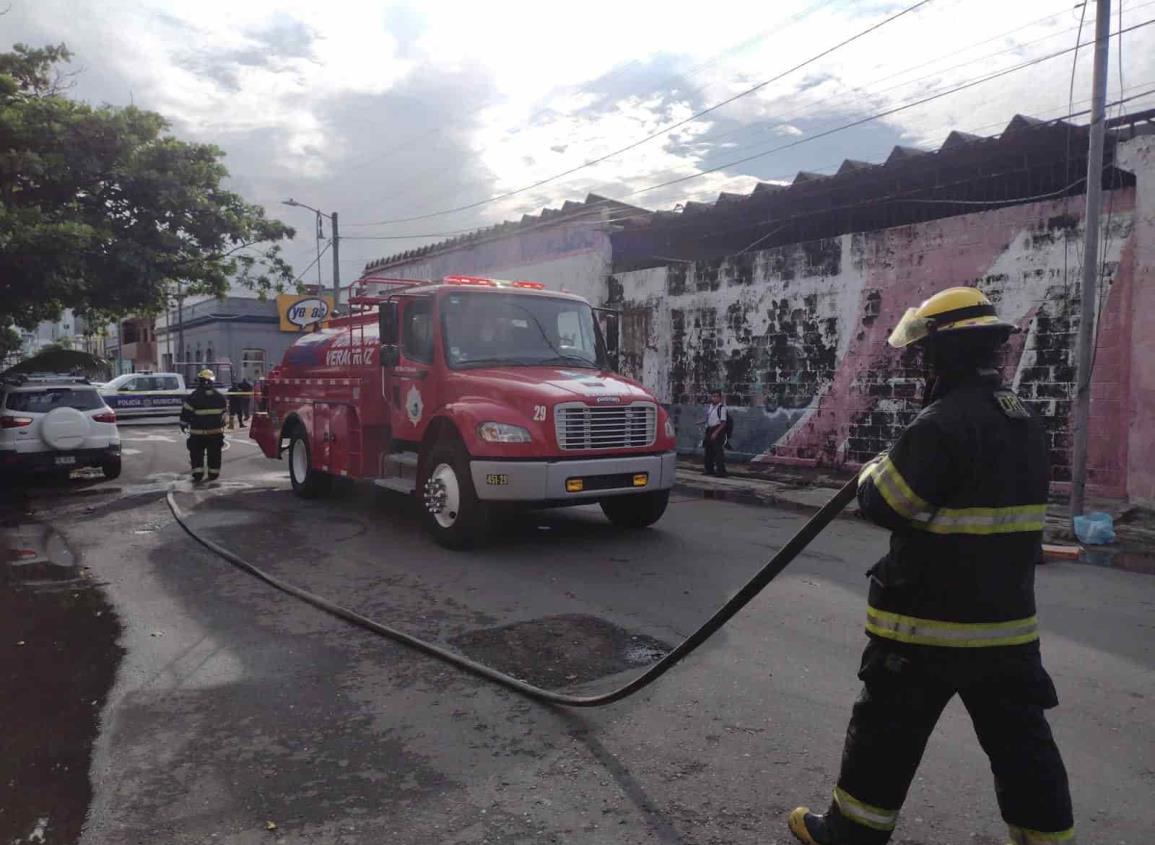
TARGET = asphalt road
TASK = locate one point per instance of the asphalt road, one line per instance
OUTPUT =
(239, 715)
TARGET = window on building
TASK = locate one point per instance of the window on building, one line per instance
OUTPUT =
(252, 363)
(417, 338)
(209, 355)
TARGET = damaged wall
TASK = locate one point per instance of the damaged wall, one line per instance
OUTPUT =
(797, 334)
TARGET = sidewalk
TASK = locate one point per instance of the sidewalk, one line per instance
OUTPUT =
(807, 490)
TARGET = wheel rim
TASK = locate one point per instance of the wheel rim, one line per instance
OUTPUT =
(299, 461)
(443, 496)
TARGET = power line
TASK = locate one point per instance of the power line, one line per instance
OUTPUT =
(870, 118)
(660, 132)
(611, 74)
(778, 28)
(311, 263)
(488, 236)
(865, 89)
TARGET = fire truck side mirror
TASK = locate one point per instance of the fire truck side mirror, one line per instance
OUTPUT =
(387, 322)
(387, 326)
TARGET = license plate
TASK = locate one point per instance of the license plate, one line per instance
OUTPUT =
(65, 460)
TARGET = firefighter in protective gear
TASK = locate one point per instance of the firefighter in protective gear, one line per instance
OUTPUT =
(202, 417)
(952, 605)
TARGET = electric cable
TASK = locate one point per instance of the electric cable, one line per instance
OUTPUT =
(781, 559)
(657, 134)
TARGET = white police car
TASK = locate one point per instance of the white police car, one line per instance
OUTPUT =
(145, 394)
(56, 424)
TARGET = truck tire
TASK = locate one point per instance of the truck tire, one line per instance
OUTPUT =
(111, 467)
(308, 483)
(639, 510)
(450, 510)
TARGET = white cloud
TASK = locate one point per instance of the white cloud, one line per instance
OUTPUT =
(395, 109)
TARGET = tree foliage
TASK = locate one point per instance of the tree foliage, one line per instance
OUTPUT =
(103, 211)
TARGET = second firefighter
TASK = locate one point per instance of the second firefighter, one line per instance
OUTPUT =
(202, 417)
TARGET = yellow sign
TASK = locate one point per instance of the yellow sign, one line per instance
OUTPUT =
(299, 313)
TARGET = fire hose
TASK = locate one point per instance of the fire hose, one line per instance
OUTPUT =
(782, 558)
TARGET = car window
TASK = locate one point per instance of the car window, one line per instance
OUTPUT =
(43, 401)
(170, 383)
(417, 338)
(131, 384)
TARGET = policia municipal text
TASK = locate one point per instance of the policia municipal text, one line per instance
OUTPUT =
(952, 606)
(202, 417)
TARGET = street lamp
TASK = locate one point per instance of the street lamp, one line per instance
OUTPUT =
(336, 247)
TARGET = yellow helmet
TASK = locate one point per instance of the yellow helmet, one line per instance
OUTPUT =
(206, 375)
(953, 309)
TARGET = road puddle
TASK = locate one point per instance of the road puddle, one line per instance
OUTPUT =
(58, 660)
(559, 651)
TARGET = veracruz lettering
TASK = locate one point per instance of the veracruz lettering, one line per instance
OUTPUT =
(343, 353)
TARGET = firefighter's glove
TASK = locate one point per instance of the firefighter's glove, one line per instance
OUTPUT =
(184, 429)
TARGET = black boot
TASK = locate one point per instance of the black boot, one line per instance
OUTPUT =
(810, 828)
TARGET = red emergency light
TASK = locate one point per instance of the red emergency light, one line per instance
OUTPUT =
(470, 280)
(529, 285)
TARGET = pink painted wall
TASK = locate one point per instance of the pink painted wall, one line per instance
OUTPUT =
(1138, 406)
(797, 334)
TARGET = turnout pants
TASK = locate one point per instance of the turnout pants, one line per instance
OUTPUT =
(906, 688)
(715, 460)
(198, 446)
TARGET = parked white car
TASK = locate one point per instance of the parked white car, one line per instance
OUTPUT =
(145, 394)
(56, 425)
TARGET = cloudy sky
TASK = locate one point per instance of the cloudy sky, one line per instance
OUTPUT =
(385, 110)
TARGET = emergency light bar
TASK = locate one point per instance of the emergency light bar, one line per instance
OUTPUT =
(481, 281)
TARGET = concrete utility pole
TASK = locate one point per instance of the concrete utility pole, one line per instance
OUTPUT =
(1089, 289)
(336, 264)
(336, 244)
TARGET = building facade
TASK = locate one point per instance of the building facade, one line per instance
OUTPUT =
(236, 336)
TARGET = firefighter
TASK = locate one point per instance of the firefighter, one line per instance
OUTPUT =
(202, 418)
(951, 608)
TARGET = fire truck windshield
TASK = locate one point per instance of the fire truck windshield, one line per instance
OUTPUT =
(489, 329)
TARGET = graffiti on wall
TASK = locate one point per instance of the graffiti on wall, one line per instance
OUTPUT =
(796, 335)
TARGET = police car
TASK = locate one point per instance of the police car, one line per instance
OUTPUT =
(56, 424)
(145, 394)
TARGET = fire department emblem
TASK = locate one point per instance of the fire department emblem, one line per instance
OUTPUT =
(413, 405)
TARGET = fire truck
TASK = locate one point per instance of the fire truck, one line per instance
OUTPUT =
(479, 396)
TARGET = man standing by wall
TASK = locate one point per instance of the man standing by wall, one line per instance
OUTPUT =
(714, 441)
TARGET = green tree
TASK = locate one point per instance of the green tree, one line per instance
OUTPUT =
(103, 211)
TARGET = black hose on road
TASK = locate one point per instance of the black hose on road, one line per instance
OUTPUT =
(768, 573)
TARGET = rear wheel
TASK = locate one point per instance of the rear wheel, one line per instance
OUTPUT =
(308, 483)
(111, 467)
(638, 510)
(450, 510)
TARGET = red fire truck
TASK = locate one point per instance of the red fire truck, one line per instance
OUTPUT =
(478, 394)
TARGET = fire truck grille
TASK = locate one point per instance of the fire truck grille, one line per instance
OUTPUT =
(605, 427)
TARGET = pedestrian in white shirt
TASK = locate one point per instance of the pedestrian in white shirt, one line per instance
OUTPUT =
(714, 441)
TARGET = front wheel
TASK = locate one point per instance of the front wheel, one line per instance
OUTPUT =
(308, 483)
(450, 510)
(638, 510)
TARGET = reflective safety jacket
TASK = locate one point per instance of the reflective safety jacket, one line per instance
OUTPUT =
(964, 491)
(204, 411)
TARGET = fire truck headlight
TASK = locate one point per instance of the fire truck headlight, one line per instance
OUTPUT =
(496, 432)
(670, 432)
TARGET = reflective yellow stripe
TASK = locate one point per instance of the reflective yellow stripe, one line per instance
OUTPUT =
(206, 431)
(1025, 836)
(188, 407)
(204, 411)
(911, 629)
(897, 493)
(863, 813)
(987, 520)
